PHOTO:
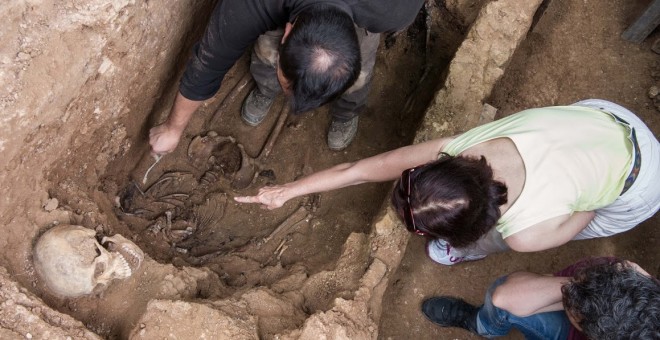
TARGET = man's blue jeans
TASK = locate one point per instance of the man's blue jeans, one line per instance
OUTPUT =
(493, 321)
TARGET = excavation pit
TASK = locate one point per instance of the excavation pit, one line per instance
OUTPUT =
(335, 264)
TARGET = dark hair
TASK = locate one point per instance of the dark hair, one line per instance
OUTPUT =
(453, 198)
(320, 58)
(614, 301)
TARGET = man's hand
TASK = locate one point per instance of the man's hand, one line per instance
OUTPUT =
(163, 139)
(270, 197)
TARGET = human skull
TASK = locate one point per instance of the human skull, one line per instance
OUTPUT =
(72, 263)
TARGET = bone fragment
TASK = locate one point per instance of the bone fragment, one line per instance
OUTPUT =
(231, 96)
(279, 247)
(251, 166)
(168, 216)
(272, 138)
(279, 255)
(293, 219)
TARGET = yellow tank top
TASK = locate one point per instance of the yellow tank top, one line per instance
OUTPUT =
(576, 159)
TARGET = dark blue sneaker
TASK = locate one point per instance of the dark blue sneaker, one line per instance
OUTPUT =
(449, 311)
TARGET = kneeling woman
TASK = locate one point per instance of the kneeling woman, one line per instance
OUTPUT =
(528, 182)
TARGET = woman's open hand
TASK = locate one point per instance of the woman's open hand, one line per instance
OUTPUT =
(270, 197)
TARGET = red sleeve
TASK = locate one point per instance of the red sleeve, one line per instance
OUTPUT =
(584, 263)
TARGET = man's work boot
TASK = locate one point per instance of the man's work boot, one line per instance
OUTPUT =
(255, 107)
(341, 134)
(448, 311)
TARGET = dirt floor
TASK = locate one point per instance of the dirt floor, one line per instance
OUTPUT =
(573, 52)
(202, 246)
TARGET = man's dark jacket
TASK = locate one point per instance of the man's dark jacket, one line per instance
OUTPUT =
(236, 24)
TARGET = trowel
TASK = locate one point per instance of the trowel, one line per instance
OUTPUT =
(140, 173)
(156, 158)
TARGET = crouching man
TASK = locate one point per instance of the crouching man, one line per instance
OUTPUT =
(601, 298)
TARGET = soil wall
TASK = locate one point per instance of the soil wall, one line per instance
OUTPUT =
(71, 70)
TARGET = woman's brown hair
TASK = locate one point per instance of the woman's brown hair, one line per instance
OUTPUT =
(453, 198)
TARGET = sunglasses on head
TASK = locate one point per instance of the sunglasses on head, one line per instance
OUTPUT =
(408, 216)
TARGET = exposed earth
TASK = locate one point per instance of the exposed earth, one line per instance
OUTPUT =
(573, 52)
(220, 269)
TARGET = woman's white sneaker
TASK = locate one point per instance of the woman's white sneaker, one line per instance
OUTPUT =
(442, 252)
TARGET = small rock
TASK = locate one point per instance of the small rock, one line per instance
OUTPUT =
(488, 113)
(653, 91)
(268, 174)
(51, 204)
(656, 46)
(22, 56)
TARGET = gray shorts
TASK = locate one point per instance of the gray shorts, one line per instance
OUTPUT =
(642, 200)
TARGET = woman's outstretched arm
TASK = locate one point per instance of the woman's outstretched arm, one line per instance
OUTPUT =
(383, 167)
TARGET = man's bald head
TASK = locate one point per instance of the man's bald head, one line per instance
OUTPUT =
(320, 57)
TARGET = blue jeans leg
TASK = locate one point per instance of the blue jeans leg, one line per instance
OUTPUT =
(493, 321)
